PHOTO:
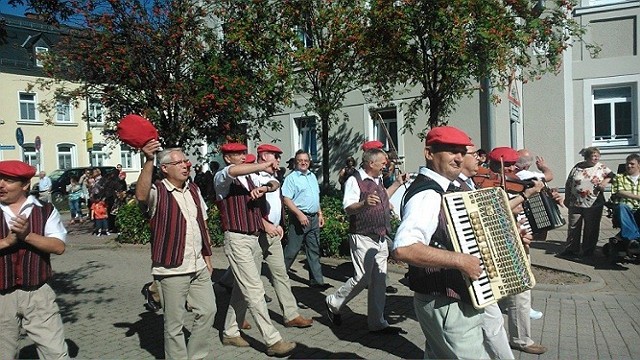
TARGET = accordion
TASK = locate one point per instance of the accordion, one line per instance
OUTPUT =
(542, 213)
(481, 224)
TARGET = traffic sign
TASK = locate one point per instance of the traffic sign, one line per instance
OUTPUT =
(38, 143)
(19, 137)
(89, 138)
(7, 147)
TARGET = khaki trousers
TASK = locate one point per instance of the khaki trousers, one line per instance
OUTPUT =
(242, 250)
(175, 291)
(37, 312)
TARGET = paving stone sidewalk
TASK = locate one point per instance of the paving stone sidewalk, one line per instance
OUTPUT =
(98, 284)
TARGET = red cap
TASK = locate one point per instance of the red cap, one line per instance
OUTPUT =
(269, 148)
(136, 131)
(233, 147)
(448, 135)
(250, 159)
(374, 144)
(507, 154)
(17, 169)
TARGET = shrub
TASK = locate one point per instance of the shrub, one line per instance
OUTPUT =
(133, 226)
(213, 222)
(334, 234)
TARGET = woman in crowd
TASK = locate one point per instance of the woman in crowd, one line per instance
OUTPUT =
(585, 199)
(74, 189)
(348, 170)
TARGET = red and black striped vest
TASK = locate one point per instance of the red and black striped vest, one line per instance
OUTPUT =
(238, 212)
(22, 265)
(169, 228)
(436, 281)
(373, 220)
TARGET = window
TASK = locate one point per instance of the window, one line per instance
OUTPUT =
(30, 155)
(98, 155)
(27, 106)
(66, 155)
(303, 36)
(40, 51)
(385, 127)
(307, 138)
(63, 111)
(613, 118)
(126, 156)
(96, 114)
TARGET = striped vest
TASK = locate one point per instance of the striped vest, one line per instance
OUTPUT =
(22, 265)
(238, 212)
(436, 281)
(373, 220)
(169, 228)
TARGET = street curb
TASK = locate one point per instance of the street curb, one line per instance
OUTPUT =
(596, 283)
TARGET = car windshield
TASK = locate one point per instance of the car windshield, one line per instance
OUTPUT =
(55, 174)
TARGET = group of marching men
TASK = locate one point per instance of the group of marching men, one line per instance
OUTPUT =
(252, 203)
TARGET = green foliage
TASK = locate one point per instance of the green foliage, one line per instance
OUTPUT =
(213, 223)
(133, 226)
(334, 235)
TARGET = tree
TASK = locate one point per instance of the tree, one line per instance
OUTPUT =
(196, 69)
(444, 46)
(329, 55)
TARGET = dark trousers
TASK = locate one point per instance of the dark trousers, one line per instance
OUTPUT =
(310, 237)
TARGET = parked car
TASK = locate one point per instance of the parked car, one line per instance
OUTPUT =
(62, 177)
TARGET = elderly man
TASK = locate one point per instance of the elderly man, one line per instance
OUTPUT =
(44, 187)
(302, 197)
(180, 250)
(29, 232)
(241, 203)
(366, 201)
(442, 303)
(625, 191)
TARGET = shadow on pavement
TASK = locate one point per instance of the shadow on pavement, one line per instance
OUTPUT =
(303, 351)
(30, 351)
(150, 331)
(67, 283)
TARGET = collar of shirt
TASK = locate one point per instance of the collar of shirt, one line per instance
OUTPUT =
(528, 174)
(364, 175)
(171, 187)
(27, 205)
(441, 180)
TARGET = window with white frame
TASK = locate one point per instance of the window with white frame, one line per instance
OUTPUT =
(63, 111)
(126, 156)
(40, 51)
(385, 127)
(27, 106)
(614, 120)
(307, 137)
(99, 155)
(30, 155)
(66, 155)
(96, 112)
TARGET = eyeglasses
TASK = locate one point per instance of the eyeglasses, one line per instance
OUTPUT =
(186, 162)
(302, 161)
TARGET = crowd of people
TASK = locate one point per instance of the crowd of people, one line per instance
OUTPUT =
(252, 198)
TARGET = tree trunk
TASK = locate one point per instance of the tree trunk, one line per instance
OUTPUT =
(324, 119)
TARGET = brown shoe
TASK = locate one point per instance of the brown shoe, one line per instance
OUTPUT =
(299, 322)
(246, 325)
(236, 341)
(281, 348)
(536, 349)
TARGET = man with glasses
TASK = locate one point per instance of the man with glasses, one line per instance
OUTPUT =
(241, 203)
(302, 197)
(180, 250)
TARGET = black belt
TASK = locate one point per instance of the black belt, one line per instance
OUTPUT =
(44, 191)
(310, 214)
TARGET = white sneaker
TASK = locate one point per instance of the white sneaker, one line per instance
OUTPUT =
(535, 314)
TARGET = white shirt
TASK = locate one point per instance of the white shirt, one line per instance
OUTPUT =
(45, 184)
(193, 260)
(273, 197)
(352, 190)
(466, 180)
(223, 180)
(421, 212)
(53, 227)
(528, 174)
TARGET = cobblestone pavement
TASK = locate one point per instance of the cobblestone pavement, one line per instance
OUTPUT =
(98, 284)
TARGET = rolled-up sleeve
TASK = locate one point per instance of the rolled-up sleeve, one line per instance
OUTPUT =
(420, 219)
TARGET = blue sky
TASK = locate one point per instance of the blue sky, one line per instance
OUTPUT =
(8, 9)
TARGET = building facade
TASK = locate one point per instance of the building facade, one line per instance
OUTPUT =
(68, 136)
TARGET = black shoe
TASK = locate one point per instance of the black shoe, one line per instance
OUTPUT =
(334, 318)
(391, 290)
(150, 303)
(389, 330)
(567, 253)
(267, 298)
